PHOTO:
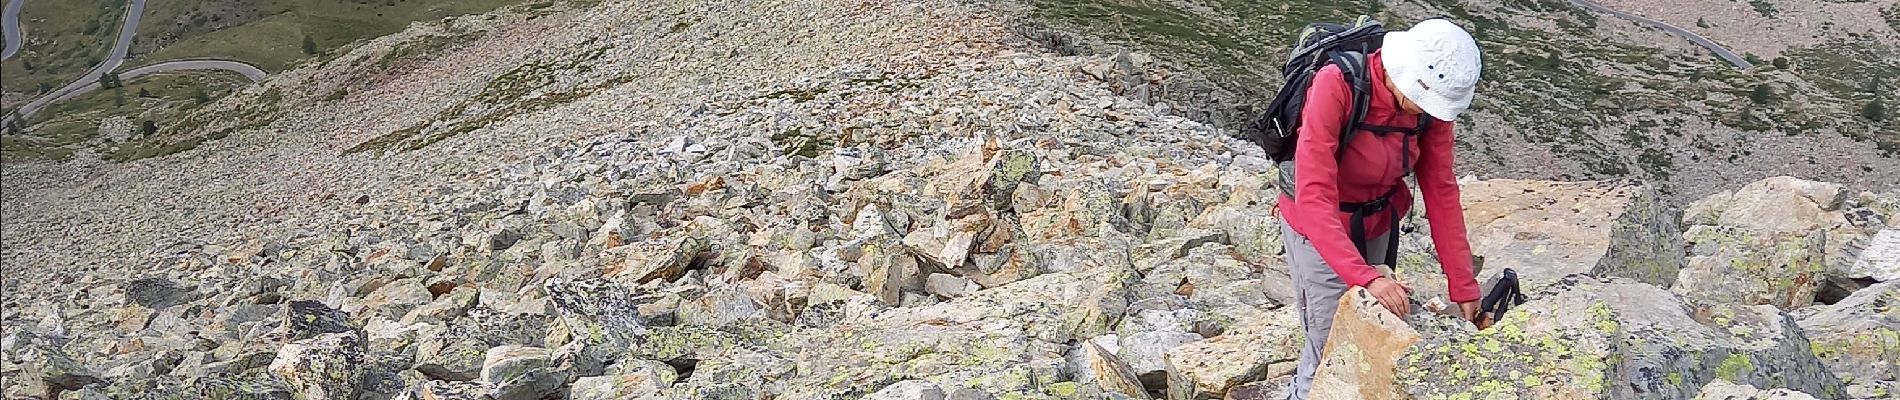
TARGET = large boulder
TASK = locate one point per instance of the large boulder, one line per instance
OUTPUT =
(1006, 341)
(986, 177)
(323, 367)
(632, 379)
(1362, 351)
(1880, 259)
(456, 351)
(43, 369)
(1261, 346)
(1547, 230)
(1859, 337)
(1579, 338)
(521, 373)
(659, 259)
(1769, 242)
(602, 316)
(1724, 390)
(1110, 373)
(909, 390)
(304, 319)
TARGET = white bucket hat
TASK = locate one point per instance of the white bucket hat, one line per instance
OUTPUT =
(1436, 65)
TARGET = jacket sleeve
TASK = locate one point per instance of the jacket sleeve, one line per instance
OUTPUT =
(1445, 211)
(1316, 177)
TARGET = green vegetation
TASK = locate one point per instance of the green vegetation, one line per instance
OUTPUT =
(1892, 14)
(1853, 73)
(1764, 7)
(524, 89)
(422, 49)
(1701, 23)
(58, 131)
(267, 32)
(1563, 83)
(1874, 110)
(1762, 94)
(64, 39)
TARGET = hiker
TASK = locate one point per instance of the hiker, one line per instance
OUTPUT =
(1348, 160)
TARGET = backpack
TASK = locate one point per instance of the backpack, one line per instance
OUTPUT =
(1277, 130)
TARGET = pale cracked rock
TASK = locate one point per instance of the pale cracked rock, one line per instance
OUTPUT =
(1578, 338)
(1144, 352)
(443, 390)
(950, 286)
(1546, 230)
(1859, 337)
(1777, 204)
(1003, 340)
(521, 373)
(660, 259)
(324, 367)
(1265, 345)
(44, 369)
(1880, 260)
(908, 390)
(392, 300)
(1770, 242)
(1362, 351)
(1724, 390)
(447, 307)
(1254, 230)
(1111, 374)
(890, 271)
(456, 351)
(602, 315)
(871, 224)
(627, 380)
(304, 319)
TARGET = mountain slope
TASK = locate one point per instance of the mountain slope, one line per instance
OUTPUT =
(820, 200)
(1568, 94)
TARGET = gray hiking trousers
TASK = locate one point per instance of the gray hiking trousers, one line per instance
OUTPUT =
(1316, 291)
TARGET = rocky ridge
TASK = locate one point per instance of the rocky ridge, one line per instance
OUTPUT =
(977, 220)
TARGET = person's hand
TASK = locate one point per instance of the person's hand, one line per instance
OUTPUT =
(1470, 310)
(1392, 294)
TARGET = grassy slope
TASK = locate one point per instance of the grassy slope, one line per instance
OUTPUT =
(172, 96)
(1551, 85)
(75, 34)
(275, 40)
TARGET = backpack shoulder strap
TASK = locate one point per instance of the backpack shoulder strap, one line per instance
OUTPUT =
(1353, 67)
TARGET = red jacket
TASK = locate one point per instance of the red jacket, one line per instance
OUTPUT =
(1372, 166)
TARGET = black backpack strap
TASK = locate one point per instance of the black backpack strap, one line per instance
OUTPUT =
(1360, 210)
(1353, 67)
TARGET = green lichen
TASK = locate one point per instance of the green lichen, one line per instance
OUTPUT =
(1589, 371)
(1063, 389)
(1733, 366)
(1605, 318)
(1491, 387)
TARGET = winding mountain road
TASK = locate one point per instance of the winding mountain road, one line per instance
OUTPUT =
(135, 10)
(10, 24)
(1692, 37)
(249, 72)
